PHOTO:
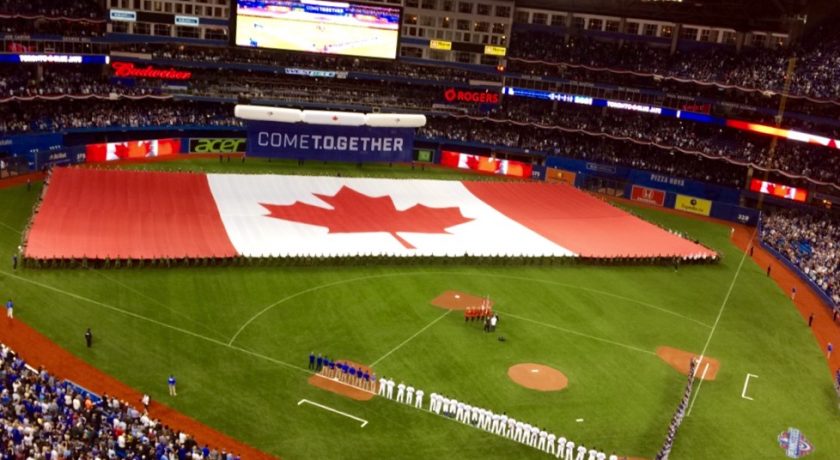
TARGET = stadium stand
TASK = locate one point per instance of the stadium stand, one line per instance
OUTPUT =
(809, 241)
(750, 70)
(88, 9)
(44, 417)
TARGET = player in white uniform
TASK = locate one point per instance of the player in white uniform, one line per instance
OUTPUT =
(511, 428)
(517, 436)
(592, 454)
(526, 433)
(383, 386)
(478, 417)
(561, 447)
(489, 416)
(418, 399)
(390, 392)
(543, 439)
(570, 450)
(494, 424)
(401, 392)
(601, 456)
(453, 406)
(409, 395)
(459, 413)
(502, 425)
(549, 447)
(535, 435)
(581, 453)
(613, 457)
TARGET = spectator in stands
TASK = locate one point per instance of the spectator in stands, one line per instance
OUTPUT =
(42, 417)
(809, 241)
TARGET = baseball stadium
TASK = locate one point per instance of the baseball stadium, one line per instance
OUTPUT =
(419, 229)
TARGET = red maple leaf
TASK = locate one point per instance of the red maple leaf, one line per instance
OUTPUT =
(355, 212)
(122, 150)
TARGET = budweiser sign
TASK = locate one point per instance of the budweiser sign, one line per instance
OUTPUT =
(128, 70)
(476, 97)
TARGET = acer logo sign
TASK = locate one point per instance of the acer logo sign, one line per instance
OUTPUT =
(475, 97)
(217, 145)
(128, 70)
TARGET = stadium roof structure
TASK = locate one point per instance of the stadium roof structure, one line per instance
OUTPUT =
(737, 14)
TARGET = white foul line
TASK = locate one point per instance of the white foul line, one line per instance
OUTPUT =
(409, 339)
(11, 228)
(720, 313)
(747, 382)
(702, 377)
(580, 334)
(364, 422)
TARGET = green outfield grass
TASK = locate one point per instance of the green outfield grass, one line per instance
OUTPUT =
(238, 339)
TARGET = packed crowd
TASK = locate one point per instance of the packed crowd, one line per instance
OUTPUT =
(42, 417)
(794, 158)
(641, 141)
(811, 242)
(755, 68)
(56, 116)
(549, 131)
(528, 124)
(68, 27)
(88, 9)
(307, 61)
(18, 83)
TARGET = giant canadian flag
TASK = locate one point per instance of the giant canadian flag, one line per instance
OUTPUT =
(126, 214)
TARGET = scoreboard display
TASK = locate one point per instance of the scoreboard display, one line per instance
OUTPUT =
(316, 26)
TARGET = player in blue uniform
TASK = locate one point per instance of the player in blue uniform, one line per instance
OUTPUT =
(171, 382)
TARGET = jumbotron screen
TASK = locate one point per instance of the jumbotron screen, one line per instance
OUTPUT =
(317, 26)
(779, 190)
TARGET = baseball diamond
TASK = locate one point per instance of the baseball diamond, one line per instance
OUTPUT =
(419, 229)
(604, 329)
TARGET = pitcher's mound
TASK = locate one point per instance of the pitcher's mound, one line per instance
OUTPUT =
(456, 300)
(681, 361)
(538, 377)
(342, 388)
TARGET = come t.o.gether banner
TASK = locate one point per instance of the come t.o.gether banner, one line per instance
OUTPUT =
(329, 142)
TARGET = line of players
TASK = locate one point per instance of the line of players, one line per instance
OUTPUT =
(521, 432)
(406, 394)
(481, 313)
(499, 424)
(349, 373)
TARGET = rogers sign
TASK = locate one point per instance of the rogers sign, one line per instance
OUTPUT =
(128, 70)
(475, 97)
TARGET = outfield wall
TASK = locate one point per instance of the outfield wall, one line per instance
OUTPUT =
(657, 189)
